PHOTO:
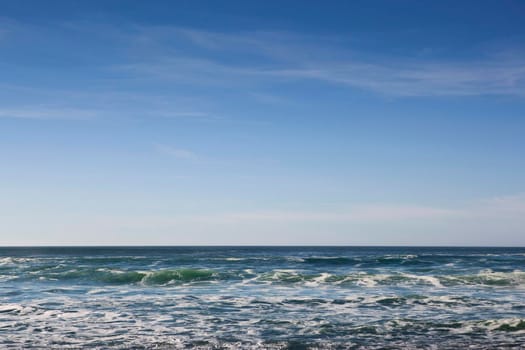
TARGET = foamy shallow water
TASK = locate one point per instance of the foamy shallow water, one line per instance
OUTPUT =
(262, 297)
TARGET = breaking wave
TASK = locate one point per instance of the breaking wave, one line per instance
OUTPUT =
(278, 276)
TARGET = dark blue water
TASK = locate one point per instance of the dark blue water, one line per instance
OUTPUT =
(262, 297)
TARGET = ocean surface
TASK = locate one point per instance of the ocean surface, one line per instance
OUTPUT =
(262, 297)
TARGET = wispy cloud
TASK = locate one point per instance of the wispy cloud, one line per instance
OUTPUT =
(419, 78)
(288, 57)
(477, 223)
(183, 114)
(258, 60)
(187, 115)
(355, 214)
(491, 210)
(47, 113)
(175, 152)
(501, 207)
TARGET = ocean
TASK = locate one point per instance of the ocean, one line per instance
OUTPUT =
(262, 298)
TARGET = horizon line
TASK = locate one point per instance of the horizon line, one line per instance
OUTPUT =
(260, 246)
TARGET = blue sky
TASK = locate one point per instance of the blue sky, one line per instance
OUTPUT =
(235, 122)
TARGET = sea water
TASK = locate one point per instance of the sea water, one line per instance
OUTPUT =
(262, 297)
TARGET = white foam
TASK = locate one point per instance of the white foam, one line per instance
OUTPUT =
(318, 280)
(366, 282)
(429, 279)
(97, 291)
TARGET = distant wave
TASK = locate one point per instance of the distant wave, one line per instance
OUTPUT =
(276, 276)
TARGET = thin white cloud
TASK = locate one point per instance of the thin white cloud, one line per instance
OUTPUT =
(196, 70)
(358, 213)
(175, 152)
(419, 78)
(47, 113)
(499, 207)
(474, 224)
(285, 57)
(187, 115)
(252, 59)
(183, 114)
(491, 210)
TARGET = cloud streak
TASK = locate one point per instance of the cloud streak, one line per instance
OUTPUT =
(419, 78)
(356, 214)
(178, 153)
(47, 113)
(286, 57)
(490, 210)
(477, 223)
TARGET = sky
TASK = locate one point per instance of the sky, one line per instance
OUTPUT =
(262, 122)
